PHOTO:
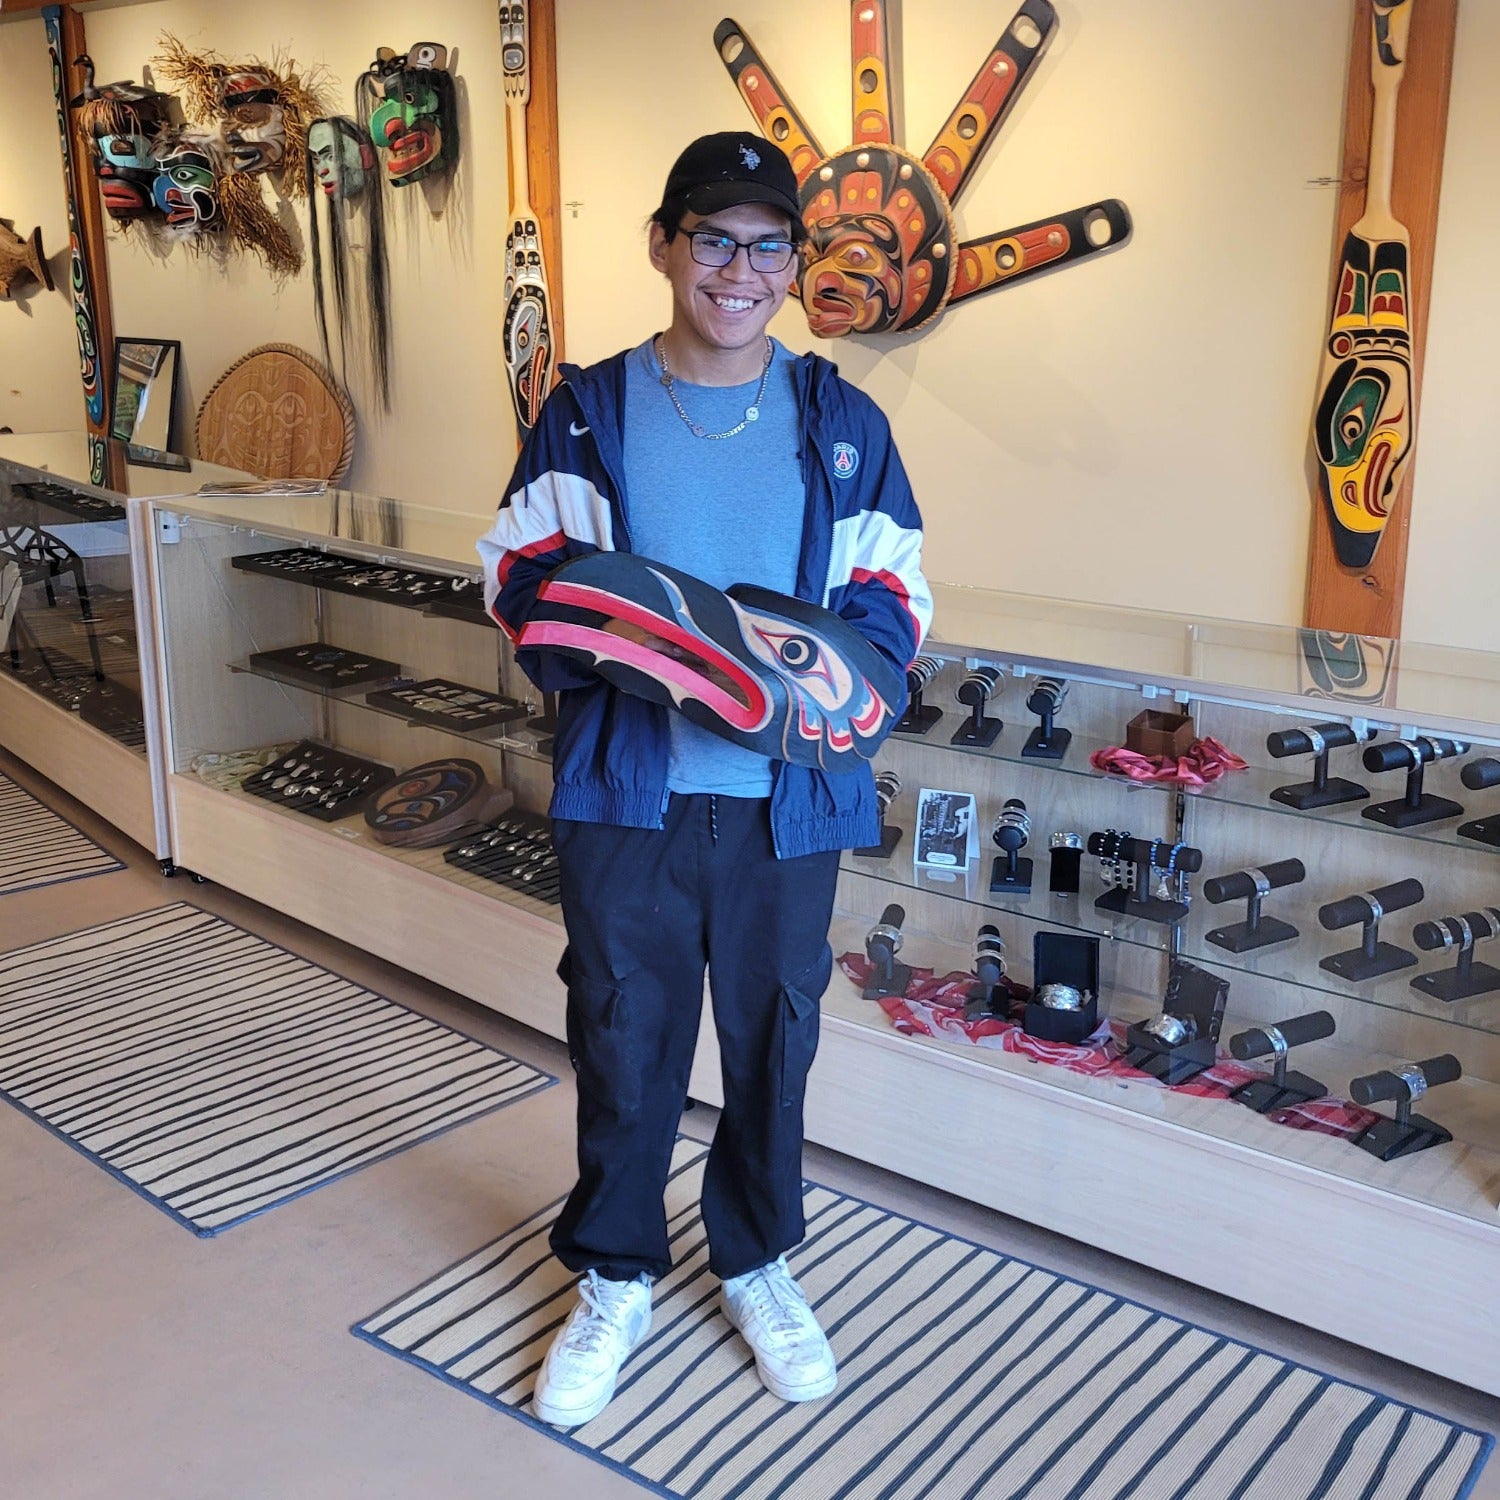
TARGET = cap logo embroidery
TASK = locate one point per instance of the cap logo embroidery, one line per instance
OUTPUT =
(751, 156)
(845, 460)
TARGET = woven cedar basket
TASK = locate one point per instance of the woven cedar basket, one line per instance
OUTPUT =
(278, 413)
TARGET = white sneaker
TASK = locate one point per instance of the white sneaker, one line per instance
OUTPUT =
(578, 1376)
(792, 1354)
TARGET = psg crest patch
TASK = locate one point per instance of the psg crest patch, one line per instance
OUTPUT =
(845, 460)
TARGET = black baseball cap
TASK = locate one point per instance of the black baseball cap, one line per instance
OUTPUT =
(727, 169)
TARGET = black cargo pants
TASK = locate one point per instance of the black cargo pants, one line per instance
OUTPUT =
(646, 910)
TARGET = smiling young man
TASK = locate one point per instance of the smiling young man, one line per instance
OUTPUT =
(709, 447)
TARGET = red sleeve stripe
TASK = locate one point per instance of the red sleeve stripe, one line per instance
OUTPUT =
(892, 581)
(547, 544)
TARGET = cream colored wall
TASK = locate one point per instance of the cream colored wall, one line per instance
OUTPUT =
(450, 424)
(38, 349)
(1455, 534)
(1130, 430)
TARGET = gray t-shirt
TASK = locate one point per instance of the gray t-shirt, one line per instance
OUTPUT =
(727, 512)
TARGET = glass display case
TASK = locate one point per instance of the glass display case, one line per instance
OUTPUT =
(1242, 1022)
(347, 739)
(71, 692)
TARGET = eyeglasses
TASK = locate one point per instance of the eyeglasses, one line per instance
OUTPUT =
(766, 256)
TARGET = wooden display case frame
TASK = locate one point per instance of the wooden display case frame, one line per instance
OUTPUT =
(1283, 1220)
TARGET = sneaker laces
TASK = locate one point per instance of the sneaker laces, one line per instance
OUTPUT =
(777, 1299)
(607, 1304)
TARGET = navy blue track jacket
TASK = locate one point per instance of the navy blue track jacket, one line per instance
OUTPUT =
(861, 557)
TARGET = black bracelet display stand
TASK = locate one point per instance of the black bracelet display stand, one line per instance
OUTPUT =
(919, 717)
(882, 944)
(1283, 1087)
(1417, 806)
(887, 789)
(1462, 934)
(1478, 775)
(1046, 741)
(1144, 854)
(1372, 958)
(1316, 740)
(1010, 875)
(1195, 999)
(987, 996)
(975, 692)
(1253, 885)
(1066, 865)
(1067, 958)
(1407, 1132)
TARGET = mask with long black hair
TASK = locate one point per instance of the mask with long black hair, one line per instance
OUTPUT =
(340, 173)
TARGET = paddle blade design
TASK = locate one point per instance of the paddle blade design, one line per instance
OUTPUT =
(1365, 416)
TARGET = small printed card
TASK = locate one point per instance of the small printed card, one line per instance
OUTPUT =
(947, 829)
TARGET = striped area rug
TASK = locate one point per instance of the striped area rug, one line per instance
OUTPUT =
(963, 1373)
(220, 1075)
(38, 848)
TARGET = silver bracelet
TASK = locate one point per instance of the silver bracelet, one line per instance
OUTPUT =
(1277, 1041)
(1414, 1079)
(1063, 997)
(1173, 1030)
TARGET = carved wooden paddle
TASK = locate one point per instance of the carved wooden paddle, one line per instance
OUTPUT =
(1366, 413)
(529, 352)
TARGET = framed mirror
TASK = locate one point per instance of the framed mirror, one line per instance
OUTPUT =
(143, 403)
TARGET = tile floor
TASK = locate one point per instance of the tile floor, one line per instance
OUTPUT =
(138, 1361)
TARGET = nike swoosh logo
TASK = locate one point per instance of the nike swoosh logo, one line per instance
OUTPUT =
(576, 430)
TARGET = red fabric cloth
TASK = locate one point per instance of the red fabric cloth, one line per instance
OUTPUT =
(1203, 762)
(934, 1007)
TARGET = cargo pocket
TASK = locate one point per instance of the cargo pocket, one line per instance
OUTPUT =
(799, 1026)
(599, 1042)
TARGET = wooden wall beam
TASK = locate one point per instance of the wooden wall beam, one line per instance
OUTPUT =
(1368, 601)
(88, 267)
(543, 156)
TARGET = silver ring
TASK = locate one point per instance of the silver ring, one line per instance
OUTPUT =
(1316, 740)
(1262, 882)
(1173, 1030)
(1376, 909)
(1277, 1041)
(1414, 1079)
(1062, 997)
(1065, 841)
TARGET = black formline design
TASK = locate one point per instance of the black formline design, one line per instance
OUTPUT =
(987, 1292)
(250, 1025)
(63, 847)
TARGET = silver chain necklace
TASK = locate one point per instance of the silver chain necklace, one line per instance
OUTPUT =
(752, 412)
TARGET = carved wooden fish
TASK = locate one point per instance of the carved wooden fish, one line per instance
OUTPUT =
(21, 258)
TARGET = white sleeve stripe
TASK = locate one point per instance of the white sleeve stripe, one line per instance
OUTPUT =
(554, 501)
(874, 543)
